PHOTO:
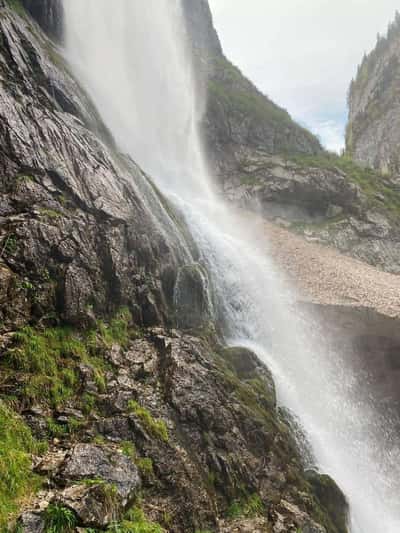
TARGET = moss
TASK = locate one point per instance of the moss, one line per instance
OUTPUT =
(145, 465)
(17, 445)
(128, 449)
(156, 428)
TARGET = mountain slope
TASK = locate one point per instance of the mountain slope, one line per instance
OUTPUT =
(110, 419)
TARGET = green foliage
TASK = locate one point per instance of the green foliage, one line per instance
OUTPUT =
(48, 359)
(156, 428)
(16, 446)
(59, 519)
(17, 6)
(248, 507)
(136, 522)
(11, 244)
(145, 466)
(128, 449)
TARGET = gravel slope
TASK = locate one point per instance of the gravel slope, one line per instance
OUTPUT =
(322, 275)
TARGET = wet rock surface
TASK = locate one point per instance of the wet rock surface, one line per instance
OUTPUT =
(78, 227)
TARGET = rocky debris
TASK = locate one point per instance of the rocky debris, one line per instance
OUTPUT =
(324, 276)
(250, 525)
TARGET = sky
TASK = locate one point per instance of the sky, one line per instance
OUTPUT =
(303, 53)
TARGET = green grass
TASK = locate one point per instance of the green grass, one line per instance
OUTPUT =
(156, 428)
(249, 507)
(136, 522)
(59, 519)
(47, 360)
(17, 482)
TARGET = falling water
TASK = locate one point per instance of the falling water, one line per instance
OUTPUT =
(132, 58)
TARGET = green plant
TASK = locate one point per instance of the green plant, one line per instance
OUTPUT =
(246, 507)
(16, 447)
(10, 244)
(59, 519)
(50, 213)
(145, 466)
(156, 428)
(128, 449)
(136, 522)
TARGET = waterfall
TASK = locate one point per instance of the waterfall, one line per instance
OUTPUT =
(131, 57)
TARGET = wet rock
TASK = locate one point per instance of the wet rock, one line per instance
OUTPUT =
(248, 366)
(331, 498)
(192, 299)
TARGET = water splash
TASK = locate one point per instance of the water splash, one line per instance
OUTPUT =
(131, 56)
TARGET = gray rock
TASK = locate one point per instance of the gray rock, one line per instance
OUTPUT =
(87, 461)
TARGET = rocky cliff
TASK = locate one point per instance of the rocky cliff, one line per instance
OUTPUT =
(373, 132)
(111, 419)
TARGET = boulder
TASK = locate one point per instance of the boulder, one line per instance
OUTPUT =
(91, 462)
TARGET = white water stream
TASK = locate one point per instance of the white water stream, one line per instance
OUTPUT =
(131, 57)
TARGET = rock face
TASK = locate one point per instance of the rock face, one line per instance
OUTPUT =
(373, 133)
(81, 226)
(49, 14)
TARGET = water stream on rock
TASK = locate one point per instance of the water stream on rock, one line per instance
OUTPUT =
(132, 58)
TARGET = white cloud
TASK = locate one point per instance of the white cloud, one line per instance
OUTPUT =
(303, 53)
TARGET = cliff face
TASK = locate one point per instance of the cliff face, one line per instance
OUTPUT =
(373, 132)
(110, 419)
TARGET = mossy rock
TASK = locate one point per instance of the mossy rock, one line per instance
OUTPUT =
(247, 367)
(331, 499)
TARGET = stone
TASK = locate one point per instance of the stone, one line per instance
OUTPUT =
(88, 461)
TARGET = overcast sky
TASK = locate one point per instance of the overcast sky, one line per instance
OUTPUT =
(303, 53)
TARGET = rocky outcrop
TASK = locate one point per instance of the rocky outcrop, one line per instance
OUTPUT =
(373, 132)
(196, 427)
